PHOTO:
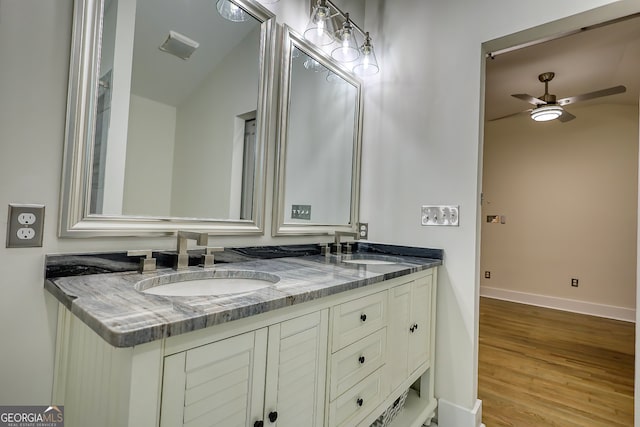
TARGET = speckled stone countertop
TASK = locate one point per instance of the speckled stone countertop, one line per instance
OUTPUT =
(100, 288)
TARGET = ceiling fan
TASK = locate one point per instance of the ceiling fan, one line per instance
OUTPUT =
(547, 107)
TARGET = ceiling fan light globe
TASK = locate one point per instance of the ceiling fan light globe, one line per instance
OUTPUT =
(544, 113)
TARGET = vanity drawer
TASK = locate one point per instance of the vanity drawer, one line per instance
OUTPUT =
(353, 363)
(356, 319)
(358, 402)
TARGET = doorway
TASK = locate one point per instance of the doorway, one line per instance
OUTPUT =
(549, 187)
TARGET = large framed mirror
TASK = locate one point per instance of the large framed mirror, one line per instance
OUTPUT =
(167, 118)
(319, 142)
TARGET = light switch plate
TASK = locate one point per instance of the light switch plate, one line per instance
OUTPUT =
(301, 212)
(25, 226)
(440, 215)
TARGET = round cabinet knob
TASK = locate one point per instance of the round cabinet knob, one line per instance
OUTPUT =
(360, 402)
(258, 424)
(361, 359)
(273, 416)
(363, 317)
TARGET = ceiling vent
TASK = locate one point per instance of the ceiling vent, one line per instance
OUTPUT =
(179, 45)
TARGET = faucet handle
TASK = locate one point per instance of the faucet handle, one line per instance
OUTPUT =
(148, 263)
(207, 258)
(324, 249)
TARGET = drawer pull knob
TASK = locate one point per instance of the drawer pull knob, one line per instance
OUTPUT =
(415, 326)
(412, 328)
(258, 424)
(361, 359)
(360, 402)
(273, 416)
(363, 317)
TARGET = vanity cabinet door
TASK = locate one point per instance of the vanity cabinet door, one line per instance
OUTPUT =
(409, 328)
(420, 324)
(218, 384)
(398, 337)
(296, 372)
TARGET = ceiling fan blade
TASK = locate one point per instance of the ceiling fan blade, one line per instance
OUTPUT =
(528, 98)
(591, 95)
(566, 116)
(510, 115)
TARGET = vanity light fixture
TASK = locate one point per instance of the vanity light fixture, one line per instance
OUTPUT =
(179, 45)
(313, 65)
(546, 112)
(231, 11)
(320, 28)
(347, 49)
(368, 64)
(343, 44)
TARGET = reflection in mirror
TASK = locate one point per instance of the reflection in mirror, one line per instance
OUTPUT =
(319, 152)
(179, 120)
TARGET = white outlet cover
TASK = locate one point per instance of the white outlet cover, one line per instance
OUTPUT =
(25, 225)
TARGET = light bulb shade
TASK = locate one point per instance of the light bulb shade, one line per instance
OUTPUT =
(547, 112)
(313, 65)
(320, 28)
(347, 49)
(231, 12)
(368, 64)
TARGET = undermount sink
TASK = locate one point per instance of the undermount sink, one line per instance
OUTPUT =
(370, 259)
(207, 283)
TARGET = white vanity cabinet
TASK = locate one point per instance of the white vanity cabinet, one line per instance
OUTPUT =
(336, 361)
(271, 376)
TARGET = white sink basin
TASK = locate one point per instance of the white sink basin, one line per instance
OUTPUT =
(206, 283)
(368, 261)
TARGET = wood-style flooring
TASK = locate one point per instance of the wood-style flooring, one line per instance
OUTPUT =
(543, 367)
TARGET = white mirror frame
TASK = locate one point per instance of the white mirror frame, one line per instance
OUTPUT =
(291, 39)
(75, 219)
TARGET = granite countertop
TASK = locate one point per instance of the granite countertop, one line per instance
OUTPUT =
(100, 288)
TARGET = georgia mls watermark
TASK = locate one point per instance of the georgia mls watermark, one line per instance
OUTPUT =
(31, 416)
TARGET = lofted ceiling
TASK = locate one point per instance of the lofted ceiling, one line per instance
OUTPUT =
(590, 60)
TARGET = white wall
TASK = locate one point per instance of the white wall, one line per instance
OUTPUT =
(151, 135)
(568, 192)
(421, 146)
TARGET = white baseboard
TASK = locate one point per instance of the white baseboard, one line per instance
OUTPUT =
(452, 415)
(575, 306)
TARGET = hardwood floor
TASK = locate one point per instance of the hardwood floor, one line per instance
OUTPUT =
(543, 367)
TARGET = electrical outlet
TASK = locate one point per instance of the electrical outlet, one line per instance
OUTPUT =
(25, 226)
(26, 233)
(574, 282)
(363, 230)
(487, 275)
(440, 215)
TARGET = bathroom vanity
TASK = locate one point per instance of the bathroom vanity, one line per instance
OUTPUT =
(334, 342)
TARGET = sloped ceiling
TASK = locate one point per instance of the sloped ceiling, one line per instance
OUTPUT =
(590, 60)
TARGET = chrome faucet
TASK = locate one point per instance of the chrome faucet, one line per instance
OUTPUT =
(202, 239)
(337, 236)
